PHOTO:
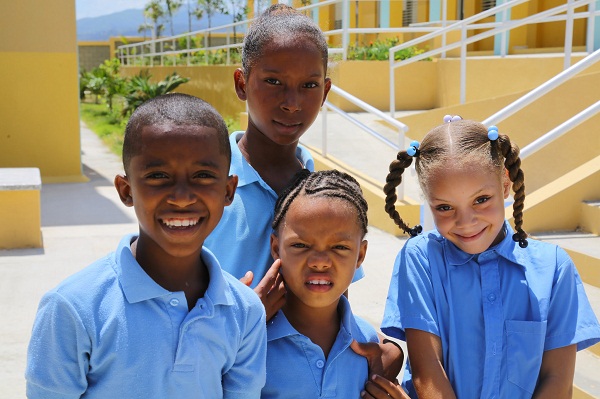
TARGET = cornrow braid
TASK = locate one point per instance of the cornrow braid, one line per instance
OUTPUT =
(393, 180)
(327, 183)
(512, 163)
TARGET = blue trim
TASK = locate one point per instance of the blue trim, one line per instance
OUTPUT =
(435, 10)
(384, 13)
(498, 38)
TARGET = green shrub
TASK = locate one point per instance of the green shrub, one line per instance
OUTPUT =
(380, 50)
(139, 89)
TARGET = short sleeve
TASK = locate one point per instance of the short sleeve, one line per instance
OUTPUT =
(247, 376)
(410, 302)
(58, 353)
(571, 319)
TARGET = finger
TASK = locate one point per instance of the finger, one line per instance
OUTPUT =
(363, 349)
(271, 275)
(389, 388)
(372, 390)
(247, 279)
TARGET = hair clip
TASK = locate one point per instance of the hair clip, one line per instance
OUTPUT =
(413, 149)
(450, 118)
(522, 241)
(493, 133)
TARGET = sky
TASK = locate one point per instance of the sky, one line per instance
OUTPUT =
(96, 8)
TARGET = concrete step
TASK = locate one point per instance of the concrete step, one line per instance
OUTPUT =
(590, 216)
(584, 249)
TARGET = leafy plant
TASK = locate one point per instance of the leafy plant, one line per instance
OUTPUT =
(380, 49)
(140, 88)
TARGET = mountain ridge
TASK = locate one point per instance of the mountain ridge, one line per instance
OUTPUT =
(126, 23)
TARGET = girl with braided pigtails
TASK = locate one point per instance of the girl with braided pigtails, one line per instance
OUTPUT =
(485, 311)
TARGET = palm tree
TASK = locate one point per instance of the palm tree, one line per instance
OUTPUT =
(210, 8)
(172, 6)
(238, 9)
(154, 11)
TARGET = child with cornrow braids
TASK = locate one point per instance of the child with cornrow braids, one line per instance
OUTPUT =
(319, 236)
(485, 311)
(283, 80)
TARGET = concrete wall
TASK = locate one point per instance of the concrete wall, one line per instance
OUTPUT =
(39, 107)
(92, 54)
(213, 83)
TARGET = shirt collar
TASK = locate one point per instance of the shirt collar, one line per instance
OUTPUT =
(246, 173)
(507, 248)
(138, 286)
(280, 327)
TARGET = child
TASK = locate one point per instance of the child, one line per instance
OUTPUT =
(485, 312)
(157, 318)
(283, 81)
(318, 233)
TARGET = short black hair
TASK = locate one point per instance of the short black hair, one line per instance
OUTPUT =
(280, 20)
(178, 109)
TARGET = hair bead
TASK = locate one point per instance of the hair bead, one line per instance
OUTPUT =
(493, 133)
(413, 149)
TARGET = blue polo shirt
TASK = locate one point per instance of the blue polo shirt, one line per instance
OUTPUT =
(110, 331)
(495, 312)
(241, 240)
(297, 368)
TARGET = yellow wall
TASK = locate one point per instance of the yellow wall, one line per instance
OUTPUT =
(20, 214)
(415, 84)
(39, 106)
(212, 83)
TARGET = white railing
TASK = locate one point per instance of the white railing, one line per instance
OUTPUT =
(398, 126)
(558, 131)
(543, 89)
(495, 29)
(166, 50)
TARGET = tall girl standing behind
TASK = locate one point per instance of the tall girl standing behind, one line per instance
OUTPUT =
(485, 311)
(283, 81)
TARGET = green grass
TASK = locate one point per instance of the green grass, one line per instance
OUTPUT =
(110, 127)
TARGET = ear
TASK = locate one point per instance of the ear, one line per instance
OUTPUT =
(362, 252)
(506, 184)
(274, 246)
(327, 88)
(232, 182)
(239, 81)
(124, 189)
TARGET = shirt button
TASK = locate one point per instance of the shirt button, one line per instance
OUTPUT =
(174, 302)
(320, 364)
(491, 297)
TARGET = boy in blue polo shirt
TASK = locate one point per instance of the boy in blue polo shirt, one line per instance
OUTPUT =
(157, 318)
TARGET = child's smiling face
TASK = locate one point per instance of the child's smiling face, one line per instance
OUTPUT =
(468, 206)
(320, 243)
(285, 89)
(178, 184)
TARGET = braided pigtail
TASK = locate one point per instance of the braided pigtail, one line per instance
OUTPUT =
(394, 178)
(512, 163)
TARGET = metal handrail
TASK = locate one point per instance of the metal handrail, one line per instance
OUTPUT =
(466, 24)
(400, 127)
(543, 89)
(558, 131)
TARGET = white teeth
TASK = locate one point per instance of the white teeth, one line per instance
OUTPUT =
(180, 222)
(320, 282)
